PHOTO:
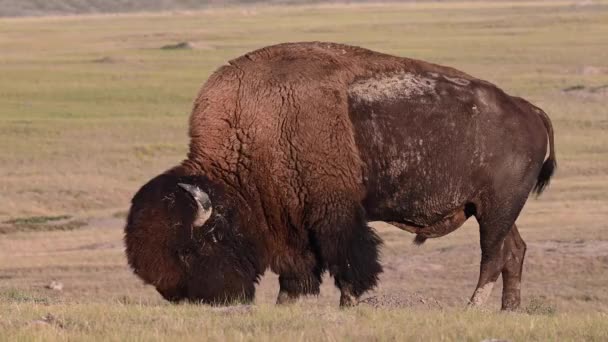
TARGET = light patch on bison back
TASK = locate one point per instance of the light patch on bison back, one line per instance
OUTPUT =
(391, 87)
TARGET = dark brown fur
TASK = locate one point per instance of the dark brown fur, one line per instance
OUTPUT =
(303, 143)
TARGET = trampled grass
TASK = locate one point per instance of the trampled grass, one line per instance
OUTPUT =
(92, 107)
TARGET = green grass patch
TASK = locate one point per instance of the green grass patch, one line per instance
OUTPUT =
(540, 306)
(33, 220)
(41, 223)
(12, 295)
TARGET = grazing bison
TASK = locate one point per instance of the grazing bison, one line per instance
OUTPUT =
(295, 147)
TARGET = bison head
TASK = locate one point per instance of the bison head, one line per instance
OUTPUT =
(184, 236)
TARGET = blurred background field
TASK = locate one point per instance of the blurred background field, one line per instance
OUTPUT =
(93, 106)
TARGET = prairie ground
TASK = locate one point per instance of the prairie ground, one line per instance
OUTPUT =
(93, 106)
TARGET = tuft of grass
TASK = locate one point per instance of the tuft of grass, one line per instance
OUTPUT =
(37, 220)
(120, 214)
(41, 223)
(12, 295)
(574, 87)
(177, 46)
(540, 306)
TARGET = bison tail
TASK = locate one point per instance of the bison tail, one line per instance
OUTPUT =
(549, 166)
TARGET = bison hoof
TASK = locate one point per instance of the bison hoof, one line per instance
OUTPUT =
(510, 305)
(347, 300)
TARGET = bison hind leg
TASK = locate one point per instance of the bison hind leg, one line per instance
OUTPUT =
(348, 248)
(502, 249)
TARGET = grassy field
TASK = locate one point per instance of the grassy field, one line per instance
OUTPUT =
(91, 107)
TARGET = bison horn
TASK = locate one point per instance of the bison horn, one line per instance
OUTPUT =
(202, 202)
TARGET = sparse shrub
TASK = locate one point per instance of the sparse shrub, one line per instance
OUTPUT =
(540, 306)
(120, 214)
(37, 219)
(126, 300)
(17, 296)
(178, 46)
(40, 223)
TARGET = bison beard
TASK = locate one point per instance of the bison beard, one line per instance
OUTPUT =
(295, 147)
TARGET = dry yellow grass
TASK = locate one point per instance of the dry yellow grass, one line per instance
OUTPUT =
(91, 107)
(136, 322)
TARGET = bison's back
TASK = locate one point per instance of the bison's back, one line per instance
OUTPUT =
(274, 124)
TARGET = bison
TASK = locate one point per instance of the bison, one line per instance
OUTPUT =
(295, 147)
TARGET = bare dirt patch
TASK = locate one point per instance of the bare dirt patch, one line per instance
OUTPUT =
(591, 70)
(401, 300)
(579, 248)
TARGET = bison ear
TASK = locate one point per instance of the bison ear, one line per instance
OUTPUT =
(202, 201)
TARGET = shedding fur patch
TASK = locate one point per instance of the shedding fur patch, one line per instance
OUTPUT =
(391, 87)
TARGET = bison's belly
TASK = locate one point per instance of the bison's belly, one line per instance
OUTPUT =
(423, 148)
(422, 186)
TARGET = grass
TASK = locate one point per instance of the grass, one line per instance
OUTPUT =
(115, 321)
(37, 219)
(9, 8)
(91, 107)
(539, 306)
(12, 296)
(40, 223)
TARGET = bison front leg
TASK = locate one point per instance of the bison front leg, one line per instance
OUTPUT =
(299, 274)
(292, 286)
(348, 248)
